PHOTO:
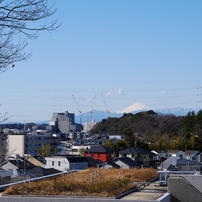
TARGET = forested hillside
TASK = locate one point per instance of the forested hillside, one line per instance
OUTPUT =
(154, 131)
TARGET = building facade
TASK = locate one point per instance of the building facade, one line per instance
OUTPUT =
(30, 144)
(63, 123)
(100, 152)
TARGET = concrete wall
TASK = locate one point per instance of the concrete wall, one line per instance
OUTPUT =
(58, 199)
(16, 144)
(83, 199)
(62, 166)
(165, 198)
(195, 180)
(180, 190)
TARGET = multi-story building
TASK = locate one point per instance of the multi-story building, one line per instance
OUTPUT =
(87, 126)
(63, 123)
(30, 144)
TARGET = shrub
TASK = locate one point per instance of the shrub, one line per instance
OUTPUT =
(90, 182)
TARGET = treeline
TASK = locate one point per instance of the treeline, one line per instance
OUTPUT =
(21, 126)
(154, 131)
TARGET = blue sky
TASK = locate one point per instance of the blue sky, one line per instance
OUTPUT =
(109, 55)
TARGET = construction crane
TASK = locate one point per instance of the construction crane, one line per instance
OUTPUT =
(105, 106)
(91, 112)
(78, 109)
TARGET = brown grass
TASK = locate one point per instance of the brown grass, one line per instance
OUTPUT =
(90, 182)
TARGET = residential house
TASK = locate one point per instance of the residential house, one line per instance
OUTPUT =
(109, 164)
(93, 163)
(63, 163)
(145, 157)
(38, 171)
(175, 163)
(100, 152)
(17, 164)
(36, 160)
(126, 163)
(193, 155)
(162, 155)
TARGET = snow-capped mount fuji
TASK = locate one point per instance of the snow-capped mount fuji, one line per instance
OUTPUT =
(135, 107)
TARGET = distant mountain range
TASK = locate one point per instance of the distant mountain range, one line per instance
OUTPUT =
(97, 116)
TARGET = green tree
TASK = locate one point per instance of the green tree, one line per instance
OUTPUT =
(129, 137)
(45, 150)
(81, 151)
(191, 143)
(188, 123)
(109, 143)
(120, 145)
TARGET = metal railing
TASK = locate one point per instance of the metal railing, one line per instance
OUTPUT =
(5, 186)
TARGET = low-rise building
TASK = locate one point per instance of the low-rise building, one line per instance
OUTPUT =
(100, 152)
(145, 157)
(63, 163)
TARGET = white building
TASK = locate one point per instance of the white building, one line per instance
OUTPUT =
(63, 163)
(87, 126)
(30, 144)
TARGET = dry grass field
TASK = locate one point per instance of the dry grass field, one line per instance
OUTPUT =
(90, 182)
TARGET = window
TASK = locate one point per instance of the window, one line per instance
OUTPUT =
(52, 163)
(58, 163)
(193, 158)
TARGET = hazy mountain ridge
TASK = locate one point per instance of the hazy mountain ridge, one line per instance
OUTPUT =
(97, 116)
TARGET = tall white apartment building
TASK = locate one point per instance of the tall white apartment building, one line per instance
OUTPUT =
(30, 144)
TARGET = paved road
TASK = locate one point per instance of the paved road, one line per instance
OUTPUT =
(151, 192)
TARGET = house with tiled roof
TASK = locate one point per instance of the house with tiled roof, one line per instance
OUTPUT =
(166, 153)
(174, 163)
(39, 171)
(100, 152)
(126, 163)
(63, 163)
(17, 164)
(143, 156)
(193, 155)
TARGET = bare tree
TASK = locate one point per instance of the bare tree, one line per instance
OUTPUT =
(4, 116)
(18, 25)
